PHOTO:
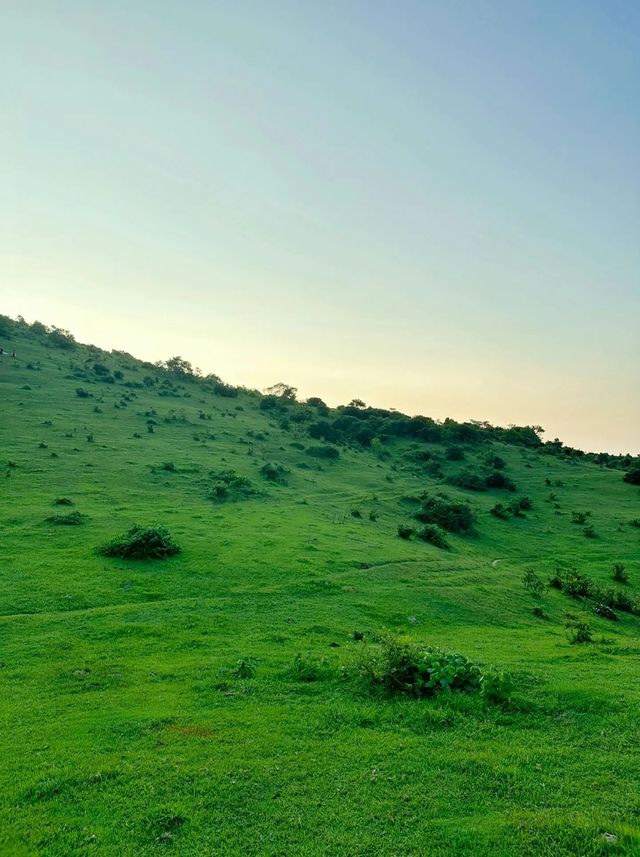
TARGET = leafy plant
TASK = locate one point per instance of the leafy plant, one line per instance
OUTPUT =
(434, 535)
(73, 519)
(619, 573)
(153, 542)
(532, 583)
(405, 531)
(453, 517)
(578, 632)
(274, 472)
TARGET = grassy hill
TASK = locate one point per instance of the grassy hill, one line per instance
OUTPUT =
(208, 703)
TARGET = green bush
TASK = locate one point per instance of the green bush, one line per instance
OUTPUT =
(577, 585)
(500, 511)
(578, 631)
(605, 612)
(328, 452)
(532, 583)
(229, 485)
(398, 667)
(619, 574)
(63, 501)
(454, 453)
(73, 519)
(579, 517)
(434, 535)
(632, 477)
(453, 517)
(153, 542)
(273, 472)
(405, 531)
(469, 480)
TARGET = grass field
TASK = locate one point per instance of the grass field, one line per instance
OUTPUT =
(128, 725)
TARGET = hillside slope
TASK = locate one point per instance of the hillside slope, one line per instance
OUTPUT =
(199, 705)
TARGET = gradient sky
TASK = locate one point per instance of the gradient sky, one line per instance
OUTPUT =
(433, 206)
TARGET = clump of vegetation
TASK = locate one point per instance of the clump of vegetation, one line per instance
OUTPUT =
(579, 518)
(533, 583)
(500, 511)
(590, 532)
(469, 480)
(605, 612)
(454, 453)
(434, 535)
(81, 393)
(274, 472)
(578, 631)
(398, 667)
(73, 519)
(632, 476)
(328, 452)
(153, 542)
(577, 585)
(229, 485)
(169, 467)
(619, 573)
(405, 531)
(308, 669)
(453, 517)
(63, 501)
(497, 479)
(244, 668)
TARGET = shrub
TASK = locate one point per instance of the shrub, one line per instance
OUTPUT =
(229, 485)
(579, 517)
(605, 612)
(497, 479)
(454, 453)
(73, 519)
(63, 501)
(619, 574)
(169, 467)
(495, 462)
(273, 472)
(453, 517)
(632, 477)
(500, 511)
(555, 581)
(539, 613)
(329, 452)
(532, 583)
(244, 668)
(405, 531)
(525, 503)
(590, 532)
(469, 480)
(81, 393)
(404, 668)
(153, 542)
(434, 535)
(308, 669)
(578, 632)
(577, 585)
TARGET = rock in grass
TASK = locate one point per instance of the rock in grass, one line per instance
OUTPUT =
(153, 542)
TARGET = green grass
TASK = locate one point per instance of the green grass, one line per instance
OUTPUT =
(125, 730)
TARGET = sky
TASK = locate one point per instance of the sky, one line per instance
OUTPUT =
(432, 206)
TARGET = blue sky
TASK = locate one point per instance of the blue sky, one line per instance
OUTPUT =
(431, 206)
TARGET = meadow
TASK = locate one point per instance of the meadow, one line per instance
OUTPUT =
(210, 703)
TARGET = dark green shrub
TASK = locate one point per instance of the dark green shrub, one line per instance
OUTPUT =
(244, 668)
(434, 535)
(153, 542)
(453, 517)
(632, 477)
(169, 467)
(578, 632)
(500, 511)
(81, 393)
(619, 574)
(496, 463)
(397, 667)
(328, 452)
(605, 612)
(229, 485)
(555, 581)
(468, 480)
(454, 453)
(525, 504)
(273, 472)
(307, 669)
(497, 479)
(73, 519)
(539, 613)
(532, 583)
(404, 531)
(579, 517)
(577, 585)
(63, 501)
(590, 532)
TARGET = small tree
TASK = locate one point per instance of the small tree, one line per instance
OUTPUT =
(532, 583)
